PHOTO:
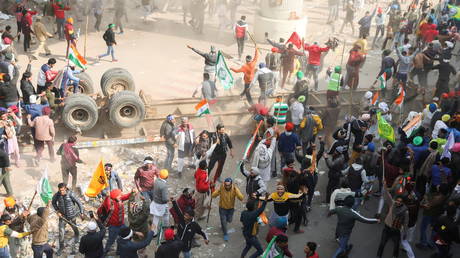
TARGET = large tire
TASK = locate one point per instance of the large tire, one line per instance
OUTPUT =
(107, 73)
(116, 80)
(80, 112)
(126, 109)
(86, 84)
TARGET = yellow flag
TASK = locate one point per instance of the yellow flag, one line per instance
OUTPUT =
(98, 182)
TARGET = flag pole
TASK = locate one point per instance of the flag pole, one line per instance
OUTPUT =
(31, 201)
(86, 35)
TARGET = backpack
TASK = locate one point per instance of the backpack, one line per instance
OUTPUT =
(106, 36)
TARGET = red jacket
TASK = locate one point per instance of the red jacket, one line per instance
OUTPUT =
(144, 179)
(113, 209)
(184, 203)
(314, 53)
(69, 32)
(315, 255)
(355, 58)
(60, 12)
(201, 181)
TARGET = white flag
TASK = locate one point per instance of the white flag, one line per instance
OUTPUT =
(449, 144)
(223, 73)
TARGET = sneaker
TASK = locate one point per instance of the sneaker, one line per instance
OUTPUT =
(300, 231)
(225, 237)
(114, 60)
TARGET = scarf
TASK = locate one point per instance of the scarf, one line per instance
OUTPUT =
(69, 154)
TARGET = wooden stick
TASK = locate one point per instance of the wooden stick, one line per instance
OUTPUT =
(31, 201)
(86, 36)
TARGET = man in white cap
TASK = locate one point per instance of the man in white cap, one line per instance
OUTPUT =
(34, 108)
(367, 100)
(91, 244)
(69, 79)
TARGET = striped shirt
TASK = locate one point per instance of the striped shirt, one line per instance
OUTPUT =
(279, 112)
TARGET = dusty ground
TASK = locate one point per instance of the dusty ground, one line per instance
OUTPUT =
(155, 53)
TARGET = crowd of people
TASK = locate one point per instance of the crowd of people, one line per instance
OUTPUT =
(412, 169)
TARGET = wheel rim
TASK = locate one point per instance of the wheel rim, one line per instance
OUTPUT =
(79, 117)
(117, 86)
(128, 113)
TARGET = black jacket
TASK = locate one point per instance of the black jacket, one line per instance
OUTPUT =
(8, 92)
(91, 244)
(27, 90)
(186, 231)
(221, 148)
(109, 37)
(169, 249)
(346, 220)
(4, 159)
(128, 249)
(335, 167)
(249, 218)
(66, 205)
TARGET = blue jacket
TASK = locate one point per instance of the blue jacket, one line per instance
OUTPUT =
(34, 110)
(436, 174)
(128, 248)
(288, 143)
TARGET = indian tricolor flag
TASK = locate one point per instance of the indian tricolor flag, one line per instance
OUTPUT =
(375, 98)
(383, 80)
(76, 58)
(202, 108)
(401, 94)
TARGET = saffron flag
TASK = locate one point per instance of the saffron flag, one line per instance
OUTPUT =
(202, 108)
(385, 129)
(223, 73)
(44, 187)
(383, 80)
(98, 182)
(399, 101)
(413, 125)
(375, 98)
(295, 40)
(76, 58)
(450, 143)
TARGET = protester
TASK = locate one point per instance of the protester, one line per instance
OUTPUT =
(91, 244)
(159, 204)
(126, 247)
(145, 177)
(186, 136)
(44, 134)
(187, 229)
(18, 217)
(228, 193)
(202, 187)
(314, 61)
(255, 185)
(240, 29)
(168, 134)
(70, 156)
(171, 247)
(113, 212)
(345, 224)
(46, 74)
(59, 12)
(67, 207)
(109, 38)
(114, 180)
(248, 70)
(219, 154)
(251, 227)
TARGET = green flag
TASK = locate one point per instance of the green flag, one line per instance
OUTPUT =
(385, 129)
(44, 187)
(223, 73)
(272, 251)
